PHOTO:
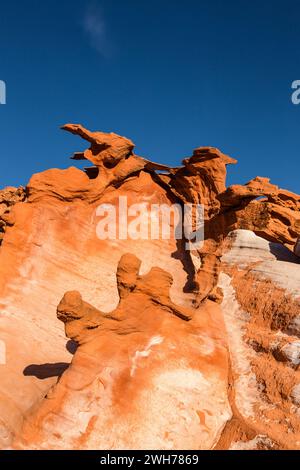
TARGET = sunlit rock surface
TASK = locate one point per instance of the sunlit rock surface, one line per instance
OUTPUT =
(123, 343)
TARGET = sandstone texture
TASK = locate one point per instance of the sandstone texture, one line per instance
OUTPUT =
(124, 343)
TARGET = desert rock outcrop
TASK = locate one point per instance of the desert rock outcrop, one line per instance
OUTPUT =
(163, 347)
(144, 374)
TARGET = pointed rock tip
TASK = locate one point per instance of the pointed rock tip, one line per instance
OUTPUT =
(207, 153)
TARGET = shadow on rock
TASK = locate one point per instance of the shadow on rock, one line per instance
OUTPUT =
(45, 371)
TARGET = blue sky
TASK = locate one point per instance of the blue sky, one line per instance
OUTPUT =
(171, 75)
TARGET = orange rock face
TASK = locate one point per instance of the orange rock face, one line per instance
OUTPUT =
(144, 374)
(162, 347)
(8, 198)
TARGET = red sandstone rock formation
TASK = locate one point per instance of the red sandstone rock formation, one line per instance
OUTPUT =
(8, 198)
(140, 373)
(176, 348)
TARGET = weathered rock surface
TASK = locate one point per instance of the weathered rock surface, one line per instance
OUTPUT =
(261, 305)
(8, 198)
(163, 347)
(149, 374)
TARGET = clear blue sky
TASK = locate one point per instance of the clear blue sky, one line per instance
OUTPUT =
(171, 75)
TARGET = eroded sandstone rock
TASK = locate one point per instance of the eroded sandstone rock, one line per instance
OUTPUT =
(149, 374)
(176, 349)
(8, 198)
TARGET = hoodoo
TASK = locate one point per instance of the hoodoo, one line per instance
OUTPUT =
(142, 343)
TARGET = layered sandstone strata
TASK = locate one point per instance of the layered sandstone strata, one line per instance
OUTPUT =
(171, 348)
